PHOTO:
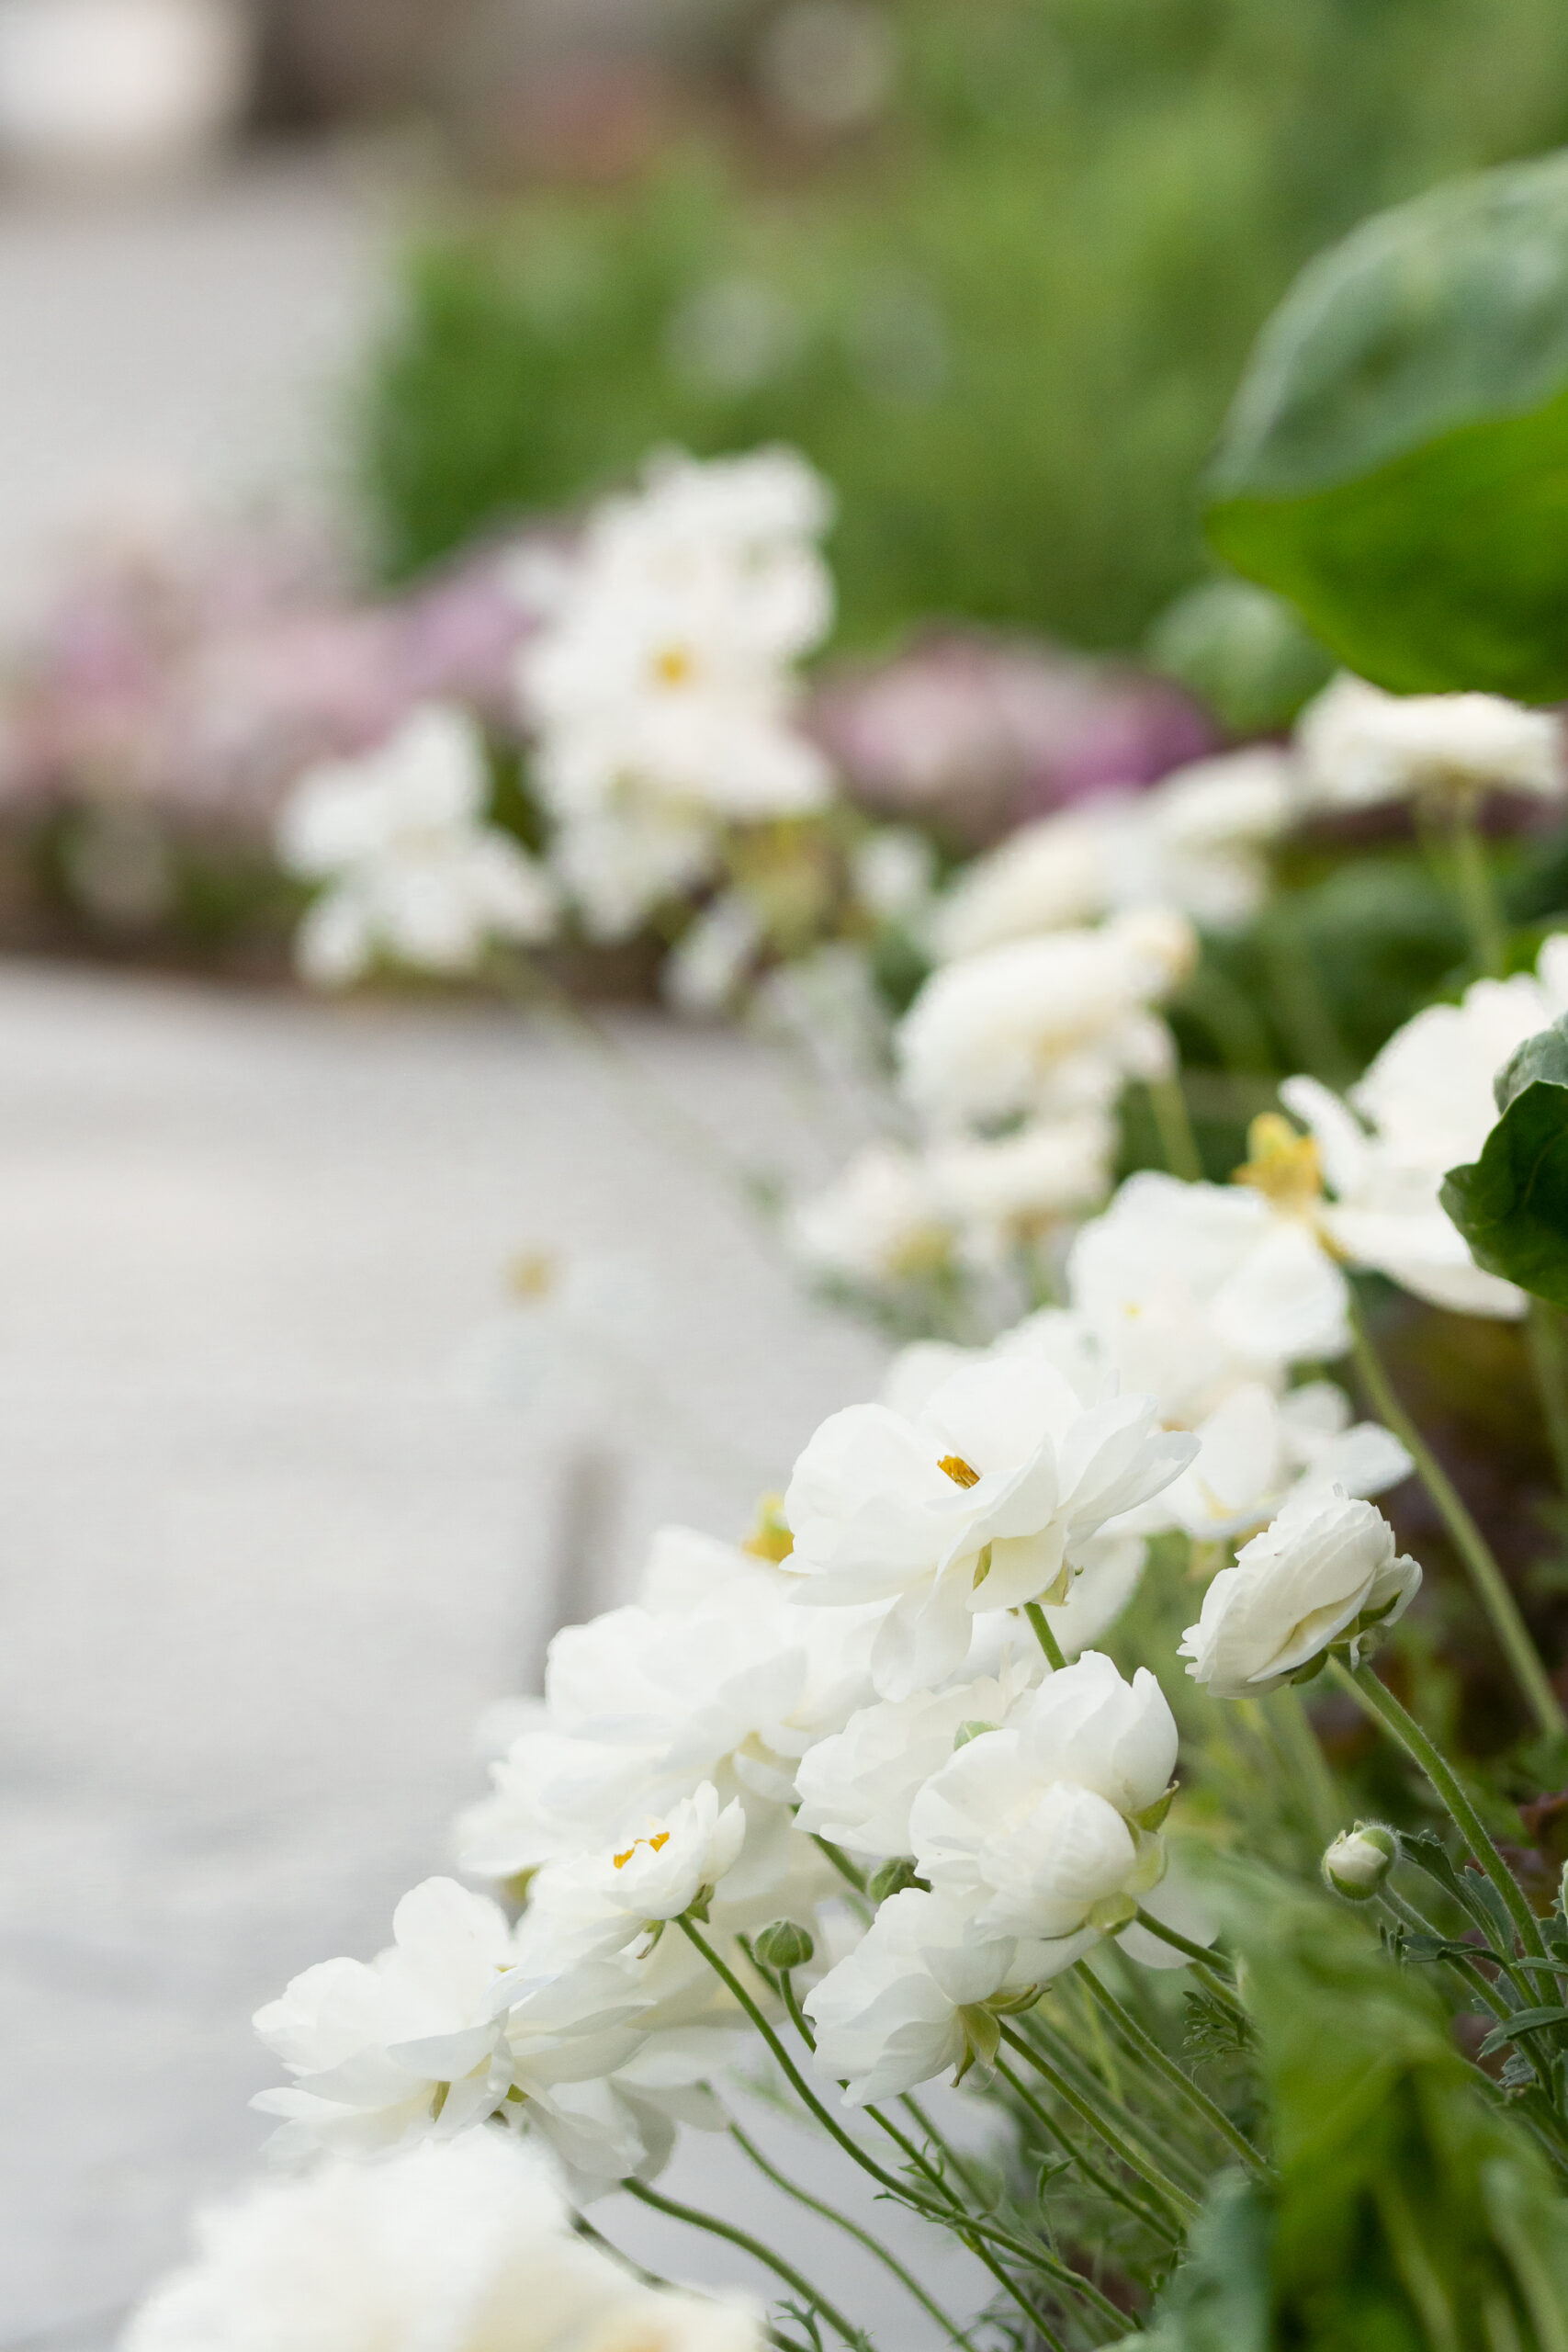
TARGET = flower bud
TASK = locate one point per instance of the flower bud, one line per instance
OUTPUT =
(783, 1944)
(893, 1878)
(1360, 1860)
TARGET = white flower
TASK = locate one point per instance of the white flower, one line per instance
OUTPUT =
(1360, 746)
(1326, 1570)
(1192, 844)
(908, 2003)
(997, 1191)
(411, 870)
(878, 1225)
(974, 1503)
(1255, 1449)
(592, 1905)
(645, 1704)
(857, 1786)
(659, 681)
(1427, 1105)
(1036, 1825)
(1037, 1027)
(704, 969)
(1190, 1289)
(462, 2248)
(892, 872)
(434, 2034)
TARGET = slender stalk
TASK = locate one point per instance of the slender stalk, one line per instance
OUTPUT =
(792, 2074)
(1543, 1331)
(1381, 1703)
(1173, 1124)
(1291, 1732)
(798, 2016)
(1181, 2207)
(1044, 1636)
(1164, 2141)
(1199, 1953)
(1491, 1586)
(1405, 1912)
(1105, 2182)
(1476, 891)
(873, 2246)
(585, 2229)
(841, 1863)
(1299, 1003)
(1149, 2051)
(748, 2244)
(912, 2108)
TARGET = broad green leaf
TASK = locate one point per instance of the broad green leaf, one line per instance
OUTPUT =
(1396, 459)
(1511, 1204)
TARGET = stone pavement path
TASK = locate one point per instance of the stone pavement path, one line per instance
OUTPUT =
(287, 1495)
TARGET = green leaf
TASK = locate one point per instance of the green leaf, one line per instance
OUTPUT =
(1522, 2021)
(1511, 1204)
(1396, 459)
(1544, 1056)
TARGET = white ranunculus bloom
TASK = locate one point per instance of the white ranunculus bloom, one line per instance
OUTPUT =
(892, 872)
(410, 867)
(1323, 1573)
(999, 1191)
(976, 1502)
(659, 681)
(1191, 843)
(856, 1787)
(596, 1904)
(1255, 1449)
(1041, 1027)
(878, 1225)
(1426, 1105)
(646, 1704)
(432, 2035)
(1190, 1290)
(460, 2248)
(1359, 747)
(703, 971)
(1034, 1828)
(908, 2003)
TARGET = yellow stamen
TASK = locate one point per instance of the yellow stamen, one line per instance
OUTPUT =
(660, 1839)
(674, 666)
(770, 1538)
(1284, 1166)
(530, 1274)
(962, 1472)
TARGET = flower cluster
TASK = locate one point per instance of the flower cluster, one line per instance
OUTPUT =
(659, 684)
(462, 2248)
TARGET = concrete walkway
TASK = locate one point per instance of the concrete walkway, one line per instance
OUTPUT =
(287, 1495)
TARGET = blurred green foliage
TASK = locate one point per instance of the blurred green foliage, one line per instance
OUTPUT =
(1006, 324)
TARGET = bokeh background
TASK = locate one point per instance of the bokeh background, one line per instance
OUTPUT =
(308, 305)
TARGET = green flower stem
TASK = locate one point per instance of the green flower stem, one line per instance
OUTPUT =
(1299, 1005)
(1173, 1124)
(841, 1863)
(1381, 1703)
(1476, 890)
(798, 2016)
(1289, 1729)
(1491, 1586)
(1543, 1331)
(584, 2228)
(974, 2233)
(1205, 1964)
(1108, 2186)
(792, 2073)
(1044, 1636)
(1148, 2049)
(873, 2246)
(1406, 1914)
(1182, 2208)
(912, 2108)
(1166, 2141)
(748, 2244)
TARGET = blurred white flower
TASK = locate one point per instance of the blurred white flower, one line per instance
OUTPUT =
(1191, 843)
(704, 971)
(411, 870)
(1427, 1105)
(908, 2003)
(1188, 1290)
(976, 1502)
(1359, 747)
(878, 1225)
(892, 873)
(1325, 1572)
(1255, 1449)
(460, 2248)
(1040, 1027)
(659, 681)
(430, 2037)
(995, 1191)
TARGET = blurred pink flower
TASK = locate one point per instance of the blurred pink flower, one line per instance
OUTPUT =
(974, 733)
